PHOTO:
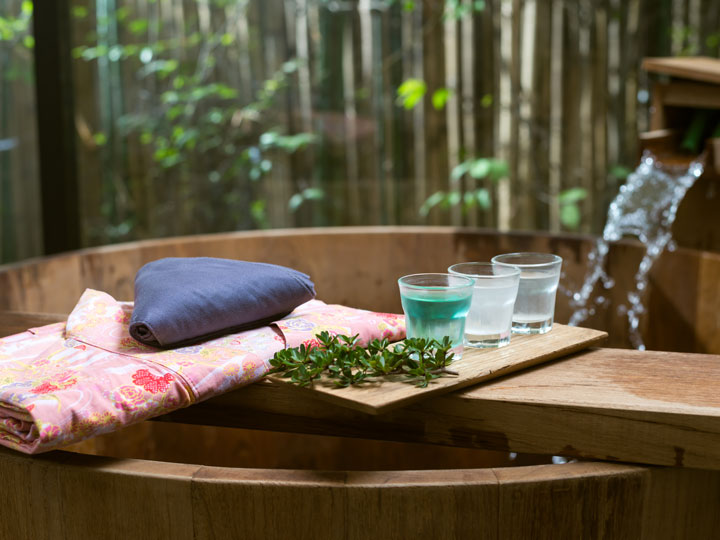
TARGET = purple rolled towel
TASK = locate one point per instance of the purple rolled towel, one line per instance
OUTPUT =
(184, 300)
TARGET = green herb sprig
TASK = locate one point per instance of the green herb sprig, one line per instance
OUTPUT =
(341, 359)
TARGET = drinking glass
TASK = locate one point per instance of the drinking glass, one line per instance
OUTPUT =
(435, 306)
(491, 311)
(539, 277)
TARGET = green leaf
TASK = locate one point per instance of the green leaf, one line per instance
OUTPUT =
(431, 202)
(27, 7)
(146, 55)
(258, 213)
(570, 216)
(138, 26)
(342, 360)
(571, 196)
(499, 168)
(79, 12)
(459, 170)
(480, 168)
(307, 194)
(100, 138)
(482, 196)
(486, 101)
(454, 198)
(268, 138)
(410, 92)
(440, 97)
(620, 172)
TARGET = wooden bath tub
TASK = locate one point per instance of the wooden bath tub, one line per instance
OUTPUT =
(161, 480)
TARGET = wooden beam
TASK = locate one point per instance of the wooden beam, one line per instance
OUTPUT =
(658, 408)
(610, 404)
(56, 131)
(698, 68)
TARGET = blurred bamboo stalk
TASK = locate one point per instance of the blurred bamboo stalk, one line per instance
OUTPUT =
(551, 87)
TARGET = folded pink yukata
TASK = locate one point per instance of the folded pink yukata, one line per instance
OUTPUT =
(65, 382)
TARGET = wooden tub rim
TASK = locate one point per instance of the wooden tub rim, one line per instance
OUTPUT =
(377, 230)
(144, 469)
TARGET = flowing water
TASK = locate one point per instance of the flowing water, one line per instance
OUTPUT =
(645, 208)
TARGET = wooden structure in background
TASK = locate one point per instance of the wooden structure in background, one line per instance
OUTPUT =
(553, 87)
(204, 481)
(685, 86)
(59, 190)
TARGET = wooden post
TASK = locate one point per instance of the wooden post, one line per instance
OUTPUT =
(56, 131)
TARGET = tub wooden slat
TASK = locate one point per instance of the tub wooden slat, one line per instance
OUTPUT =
(13, 322)
(62, 495)
(586, 503)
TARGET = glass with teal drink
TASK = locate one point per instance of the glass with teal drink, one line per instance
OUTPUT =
(436, 306)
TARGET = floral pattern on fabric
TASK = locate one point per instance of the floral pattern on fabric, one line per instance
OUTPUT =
(65, 382)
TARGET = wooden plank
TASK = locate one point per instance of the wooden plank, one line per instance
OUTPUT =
(610, 404)
(476, 365)
(29, 491)
(620, 405)
(689, 94)
(408, 504)
(141, 499)
(13, 322)
(681, 505)
(65, 495)
(697, 68)
(586, 503)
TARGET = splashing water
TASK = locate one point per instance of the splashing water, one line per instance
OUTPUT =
(646, 208)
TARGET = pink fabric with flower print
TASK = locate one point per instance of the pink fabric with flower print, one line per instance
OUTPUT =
(65, 382)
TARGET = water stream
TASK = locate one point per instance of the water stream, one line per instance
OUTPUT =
(645, 208)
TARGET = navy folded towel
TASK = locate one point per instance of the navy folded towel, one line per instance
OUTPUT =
(183, 300)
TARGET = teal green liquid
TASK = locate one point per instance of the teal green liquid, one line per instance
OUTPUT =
(436, 317)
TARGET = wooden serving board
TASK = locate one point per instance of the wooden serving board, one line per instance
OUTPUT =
(476, 365)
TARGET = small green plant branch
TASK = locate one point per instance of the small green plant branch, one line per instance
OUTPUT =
(496, 169)
(345, 362)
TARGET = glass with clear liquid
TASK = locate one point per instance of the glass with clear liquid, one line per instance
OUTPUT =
(436, 306)
(535, 304)
(490, 318)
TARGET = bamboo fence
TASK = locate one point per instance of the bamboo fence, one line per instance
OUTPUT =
(553, 87)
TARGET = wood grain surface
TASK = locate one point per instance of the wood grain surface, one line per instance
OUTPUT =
(697, 68)
(641, 407)
(65, 495)
(476, 365)
(609, 404)
(330, 256)
(13, 322)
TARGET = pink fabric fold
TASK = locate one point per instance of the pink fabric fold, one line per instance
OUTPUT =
(65, 382)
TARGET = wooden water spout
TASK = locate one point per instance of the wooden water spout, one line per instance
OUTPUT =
(686, 86)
